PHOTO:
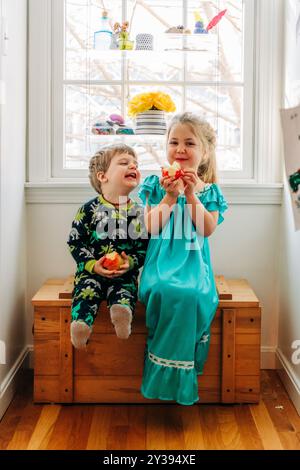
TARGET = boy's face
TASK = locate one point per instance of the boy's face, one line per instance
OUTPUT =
(123, 173)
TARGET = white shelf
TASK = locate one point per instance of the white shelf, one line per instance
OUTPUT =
(170, 42)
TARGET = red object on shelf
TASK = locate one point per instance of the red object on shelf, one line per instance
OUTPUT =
(216, 20)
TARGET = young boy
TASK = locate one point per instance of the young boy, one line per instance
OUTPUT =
(110, 222)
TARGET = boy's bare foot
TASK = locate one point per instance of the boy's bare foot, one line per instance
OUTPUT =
(121, 317)
(80, 333)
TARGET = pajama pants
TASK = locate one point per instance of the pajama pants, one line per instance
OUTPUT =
(90, 290)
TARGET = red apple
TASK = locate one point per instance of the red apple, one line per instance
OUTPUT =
(173, 171)
(112, 261)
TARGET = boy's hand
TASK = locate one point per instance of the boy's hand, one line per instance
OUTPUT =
(125, 267)
(99, 269)
(170, 185)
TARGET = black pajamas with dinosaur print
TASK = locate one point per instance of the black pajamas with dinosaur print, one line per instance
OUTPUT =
(99, 228)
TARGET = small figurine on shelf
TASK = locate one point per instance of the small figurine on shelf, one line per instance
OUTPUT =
(199, 24)
(121, 36)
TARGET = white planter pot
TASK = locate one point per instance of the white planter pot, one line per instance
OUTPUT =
(151, 122)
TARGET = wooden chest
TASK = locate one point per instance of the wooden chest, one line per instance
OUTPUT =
(110, 371)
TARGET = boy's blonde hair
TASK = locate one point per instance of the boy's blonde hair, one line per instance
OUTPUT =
(207, 169)
(102, 159)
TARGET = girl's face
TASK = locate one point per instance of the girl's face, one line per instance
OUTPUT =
(183, 147)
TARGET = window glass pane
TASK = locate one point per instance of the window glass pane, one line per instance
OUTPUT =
(229, 34)
(164, 66)
(221, 107)
(84, 106)
(82, 62)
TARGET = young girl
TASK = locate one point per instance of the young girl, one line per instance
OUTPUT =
(177, 283)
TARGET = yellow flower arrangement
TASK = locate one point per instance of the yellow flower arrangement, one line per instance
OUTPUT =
(152, 100)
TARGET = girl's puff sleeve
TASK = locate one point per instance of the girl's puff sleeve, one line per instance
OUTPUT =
(152, 189)
(214, 200)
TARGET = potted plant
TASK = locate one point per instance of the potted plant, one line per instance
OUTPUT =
(149, 110)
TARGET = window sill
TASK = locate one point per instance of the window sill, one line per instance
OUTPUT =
(79, 192)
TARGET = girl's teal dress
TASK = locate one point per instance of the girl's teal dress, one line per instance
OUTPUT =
(177, 286)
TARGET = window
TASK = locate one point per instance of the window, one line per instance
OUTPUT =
(213, 76)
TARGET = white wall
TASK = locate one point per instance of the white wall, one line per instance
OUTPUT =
(289, 300)
(244, 245)
(12, 205)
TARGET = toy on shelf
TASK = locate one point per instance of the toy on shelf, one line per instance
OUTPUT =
(178, 30)
(199, 24)
(121, 37)
(114, 125)
(103, 37)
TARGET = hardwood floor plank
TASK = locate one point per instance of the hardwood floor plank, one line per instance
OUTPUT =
(44, 427)
(155, 427)
(101, 417)
(192, 431)
(265, 427)
(118, 428)
(220, 428)
(136, 436)
(15, 411)
(248, 431)
(25, 427)
(174, 428)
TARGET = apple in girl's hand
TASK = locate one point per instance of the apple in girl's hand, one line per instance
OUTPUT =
(173, 171)
(112, 261)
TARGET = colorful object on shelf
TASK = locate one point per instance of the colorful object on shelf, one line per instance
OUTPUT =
(103, 37)
(151, 122)
(216, 20)
(156, 100)
(114, 125)
(117, 118)
(144, 41)
(178, 30)
(174, 171)
(113, 261)
(102, 128)
(199, 24)
(121, 37)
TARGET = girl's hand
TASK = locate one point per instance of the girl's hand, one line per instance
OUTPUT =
(190, 179)
(170, 185)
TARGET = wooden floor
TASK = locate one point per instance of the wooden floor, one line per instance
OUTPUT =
(273, 424)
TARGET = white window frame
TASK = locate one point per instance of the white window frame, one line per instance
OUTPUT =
(265, 81)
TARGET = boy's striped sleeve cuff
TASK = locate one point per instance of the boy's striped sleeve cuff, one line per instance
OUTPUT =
(89, 266)
(131, 262)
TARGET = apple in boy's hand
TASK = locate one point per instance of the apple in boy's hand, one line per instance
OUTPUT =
(173, 171)
(112, 261)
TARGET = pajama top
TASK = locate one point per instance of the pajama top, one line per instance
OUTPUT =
(100, 227)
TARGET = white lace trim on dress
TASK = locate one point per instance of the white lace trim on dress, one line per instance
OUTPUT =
(169, 363)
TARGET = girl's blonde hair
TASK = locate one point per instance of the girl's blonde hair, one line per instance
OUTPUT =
(203, 131)
(102, 159)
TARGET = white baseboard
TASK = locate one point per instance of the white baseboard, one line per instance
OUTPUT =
(9, 385)
(289, 379)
